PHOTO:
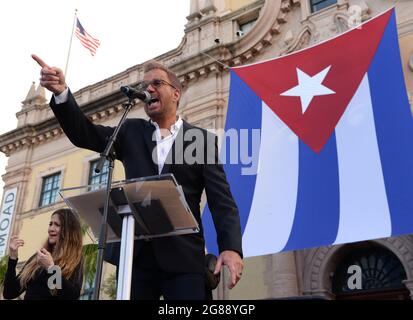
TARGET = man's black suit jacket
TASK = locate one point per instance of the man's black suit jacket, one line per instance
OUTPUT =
(134, 147)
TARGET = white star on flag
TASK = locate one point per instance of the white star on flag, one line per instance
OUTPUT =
(308, 87)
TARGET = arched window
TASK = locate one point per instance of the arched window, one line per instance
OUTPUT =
(381, 275)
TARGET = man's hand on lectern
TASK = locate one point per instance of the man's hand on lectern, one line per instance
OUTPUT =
(234, 263)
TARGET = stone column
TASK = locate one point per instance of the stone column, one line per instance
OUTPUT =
(281, 277)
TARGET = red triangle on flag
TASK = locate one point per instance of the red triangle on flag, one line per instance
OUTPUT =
(286, 84)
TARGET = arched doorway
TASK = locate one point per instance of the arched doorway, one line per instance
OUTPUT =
(381, 275)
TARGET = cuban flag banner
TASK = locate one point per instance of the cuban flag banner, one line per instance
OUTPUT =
(335, 145)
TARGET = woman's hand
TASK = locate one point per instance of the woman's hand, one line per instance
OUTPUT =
(14, 245)
(44, 258)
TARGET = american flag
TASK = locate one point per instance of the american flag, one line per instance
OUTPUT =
(86, 39)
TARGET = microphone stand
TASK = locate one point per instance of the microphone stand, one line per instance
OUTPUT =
(109, 155)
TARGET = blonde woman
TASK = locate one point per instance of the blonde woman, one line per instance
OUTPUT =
(61, 252)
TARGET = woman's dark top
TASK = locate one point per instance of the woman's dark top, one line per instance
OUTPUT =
(37, 287)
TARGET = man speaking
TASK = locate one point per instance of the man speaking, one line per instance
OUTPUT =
(172, 267)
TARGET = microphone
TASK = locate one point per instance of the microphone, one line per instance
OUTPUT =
(132, 93)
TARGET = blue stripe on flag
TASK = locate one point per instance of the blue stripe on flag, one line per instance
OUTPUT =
(244, 112)
(394, 127)
(318, 204)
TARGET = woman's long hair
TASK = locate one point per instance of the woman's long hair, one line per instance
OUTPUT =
(67, 253)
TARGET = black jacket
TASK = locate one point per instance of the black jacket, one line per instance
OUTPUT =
(37, 288)
(134, 147)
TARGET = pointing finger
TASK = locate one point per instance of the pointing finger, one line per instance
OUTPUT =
(40, 61)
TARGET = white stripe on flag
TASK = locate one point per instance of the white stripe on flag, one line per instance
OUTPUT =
(274, 201)
(364, 211)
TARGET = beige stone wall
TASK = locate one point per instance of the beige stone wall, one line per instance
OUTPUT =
(236, 4)
(264, 277)
(34, 232)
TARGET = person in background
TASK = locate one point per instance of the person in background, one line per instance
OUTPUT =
(62, 252)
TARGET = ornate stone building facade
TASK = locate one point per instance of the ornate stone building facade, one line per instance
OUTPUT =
(218, 34)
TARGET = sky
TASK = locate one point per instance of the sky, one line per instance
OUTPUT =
(130, 32)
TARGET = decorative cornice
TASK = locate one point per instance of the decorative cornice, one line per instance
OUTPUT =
(209, 9)
(196, 16)
(16, 173)
(35, 134)
(35, 107)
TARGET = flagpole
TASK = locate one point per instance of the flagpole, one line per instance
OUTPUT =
(70, 44)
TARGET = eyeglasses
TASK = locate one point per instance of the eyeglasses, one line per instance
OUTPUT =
(156, 83)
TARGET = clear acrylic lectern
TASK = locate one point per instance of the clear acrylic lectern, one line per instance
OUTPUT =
(142, 208)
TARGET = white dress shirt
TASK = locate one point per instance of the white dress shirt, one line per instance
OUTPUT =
(163, 143)
(61, 98)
